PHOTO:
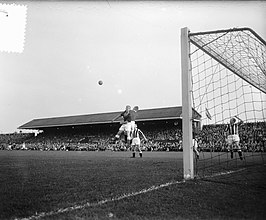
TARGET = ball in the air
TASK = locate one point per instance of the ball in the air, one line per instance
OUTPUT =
(100, 82)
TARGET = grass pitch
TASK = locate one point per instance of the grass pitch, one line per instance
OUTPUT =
(111, 185)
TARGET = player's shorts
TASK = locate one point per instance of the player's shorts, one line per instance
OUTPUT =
(132, 125)
(135, 141)
(125, 127)
(231, 139)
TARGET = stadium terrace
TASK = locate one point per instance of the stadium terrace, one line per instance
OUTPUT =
(78, 121)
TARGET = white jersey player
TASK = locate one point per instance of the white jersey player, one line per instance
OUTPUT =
(136, 141)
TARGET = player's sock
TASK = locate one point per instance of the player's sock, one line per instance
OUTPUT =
(128, 143)
(232, 154)
(140, 154)
(125, 138)
(240, 155)
(133, 154)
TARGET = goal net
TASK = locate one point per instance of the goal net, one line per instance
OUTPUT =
(227, 78)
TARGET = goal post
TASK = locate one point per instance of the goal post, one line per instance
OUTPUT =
(188, 166)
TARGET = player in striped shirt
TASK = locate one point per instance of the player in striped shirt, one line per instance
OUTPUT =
(233, 137)
(133, 115)
(136, 141)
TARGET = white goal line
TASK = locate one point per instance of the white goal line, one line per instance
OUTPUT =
(112, 199)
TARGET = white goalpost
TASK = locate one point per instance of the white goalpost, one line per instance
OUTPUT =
(186, 107)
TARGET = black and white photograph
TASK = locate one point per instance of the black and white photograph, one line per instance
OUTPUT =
(132, 110)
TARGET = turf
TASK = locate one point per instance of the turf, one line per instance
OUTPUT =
(34, 182)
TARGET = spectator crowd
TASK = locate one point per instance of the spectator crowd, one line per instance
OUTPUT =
(210, 138)
(252, 137)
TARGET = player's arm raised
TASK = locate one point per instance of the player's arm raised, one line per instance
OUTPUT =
(143, 135)
(226, 131)
(240, 120)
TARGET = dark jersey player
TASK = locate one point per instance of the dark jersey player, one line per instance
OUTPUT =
(126, 124)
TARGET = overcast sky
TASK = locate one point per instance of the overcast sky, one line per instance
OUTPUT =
(134, 47)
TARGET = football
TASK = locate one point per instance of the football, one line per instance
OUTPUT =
(100, 82)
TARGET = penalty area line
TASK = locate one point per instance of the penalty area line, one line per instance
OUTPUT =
(94, 204)
(112, 199)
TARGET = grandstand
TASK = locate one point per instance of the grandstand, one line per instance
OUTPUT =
(146, 116)
(162, 126)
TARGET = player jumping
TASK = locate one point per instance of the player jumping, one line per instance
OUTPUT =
(233, 137)
(126, 124)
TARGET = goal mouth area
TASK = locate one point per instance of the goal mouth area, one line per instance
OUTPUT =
(223, 76)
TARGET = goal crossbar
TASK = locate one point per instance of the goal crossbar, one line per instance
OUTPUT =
(256, 62)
